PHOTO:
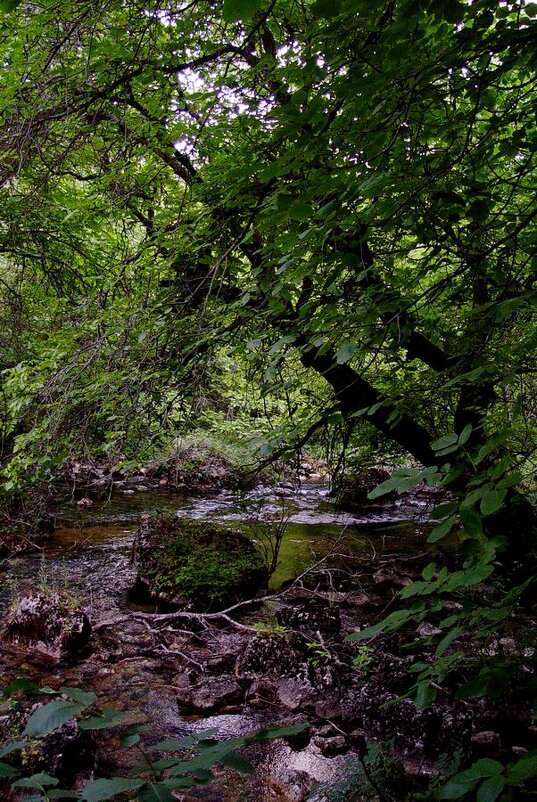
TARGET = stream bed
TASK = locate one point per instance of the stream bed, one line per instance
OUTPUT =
(89, 558)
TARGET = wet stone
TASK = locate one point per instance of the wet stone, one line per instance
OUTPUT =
(329, 708)
(295, 694)
(335, 745)
(485, 741)
(47, 625)
(289, 785)
(211, 695)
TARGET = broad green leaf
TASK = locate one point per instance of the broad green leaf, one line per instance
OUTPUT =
(524, 769)
(471, 521)
(486, 767)
(275, 732)
(9, 5)
(492, 502)
(79, 696)
(465, 434)
(491, 789)
(7, 771)
(425, 695)
(110, 718)
(174, 743)
(345, 352)
(445, 442)
(391, 623)
(442, 529)
(38, 781)
(447, 640)
(240, 9)
(326, 8)
(129, 740)
(25, 685)
(158, 792)
(101, 790)
(442, 511)
(382, 489)
(50, 717)
(456, 789)
(14, 746)
(429, 571)
(236, 761)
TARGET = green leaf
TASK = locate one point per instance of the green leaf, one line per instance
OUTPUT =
(465, 434)
(490, 681)
(110, 718)
(471, 520)
(382, 489)
(131, 735)
(129, 740)
(425, 695)
(523, 770)
(50, 717)
(326, 8)
(38, 781)
(345, 352)
(275, 732)
(79, 696)
(443, 511)
(447, 640)
(429, 571)
(25, 685)
(486, 767)
(479, 210)
(7, 771)
(101, 790)
(445, 442)
(59, 793)
(491, 789)
(14, 746)
(492, 502)
(391, 623)
(240, 9)
(9, 5)
(238, 762)
(174, 743)
(442, 529)
(456, 789)
(159, 792)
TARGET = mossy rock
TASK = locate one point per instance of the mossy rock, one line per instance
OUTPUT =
(197, 564)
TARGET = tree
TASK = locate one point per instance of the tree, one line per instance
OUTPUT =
(338, 184)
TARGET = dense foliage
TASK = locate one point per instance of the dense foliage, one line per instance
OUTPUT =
(334, 199)
(343, 190)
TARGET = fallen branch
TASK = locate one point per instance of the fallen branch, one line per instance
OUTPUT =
(181, 615)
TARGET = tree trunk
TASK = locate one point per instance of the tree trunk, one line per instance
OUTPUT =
(516, 521)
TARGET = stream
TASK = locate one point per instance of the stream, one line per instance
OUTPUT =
(89, 557)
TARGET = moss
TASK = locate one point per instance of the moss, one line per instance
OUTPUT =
(192, 562)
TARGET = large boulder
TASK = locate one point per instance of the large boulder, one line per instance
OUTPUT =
(194, 564)
(48, 625)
